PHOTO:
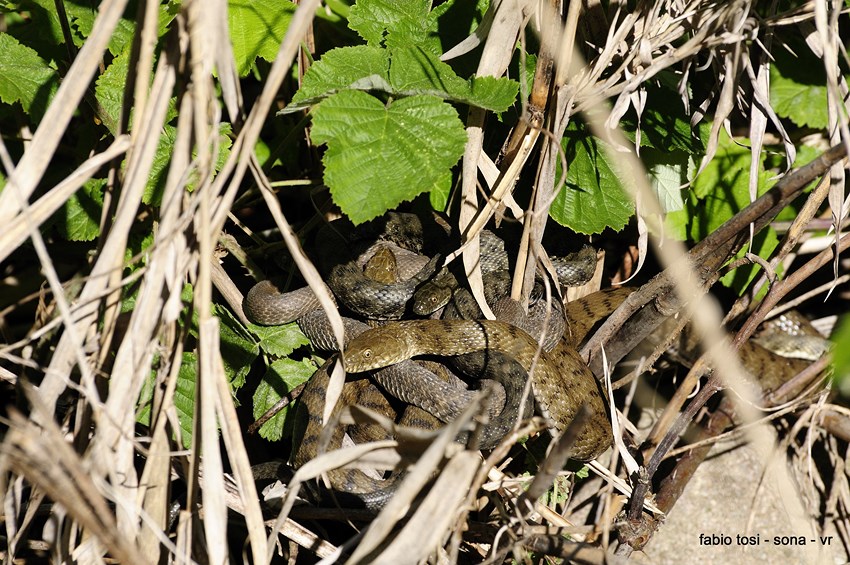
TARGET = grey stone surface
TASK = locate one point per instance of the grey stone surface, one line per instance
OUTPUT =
(725, 498)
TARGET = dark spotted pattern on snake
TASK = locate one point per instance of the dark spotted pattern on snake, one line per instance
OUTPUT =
(561, 381)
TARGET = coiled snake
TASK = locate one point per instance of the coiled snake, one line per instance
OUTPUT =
(560, 380)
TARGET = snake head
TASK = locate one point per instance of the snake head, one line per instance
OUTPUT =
(432, 296)
(376, 348)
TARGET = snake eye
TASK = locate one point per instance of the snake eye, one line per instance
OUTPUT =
(367, 353)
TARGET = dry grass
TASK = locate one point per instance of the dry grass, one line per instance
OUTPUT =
(75, 452)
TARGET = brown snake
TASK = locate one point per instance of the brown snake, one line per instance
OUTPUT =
(561, 381)
(770, 369)
(352, 486)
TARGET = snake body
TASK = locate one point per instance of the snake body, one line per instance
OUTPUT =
(783, 348)
(376, 299)
(354, 487)
(561, 381)
(416, 385)
(344, 249)
(792, 336)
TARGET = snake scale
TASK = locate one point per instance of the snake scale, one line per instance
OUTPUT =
(560, 380)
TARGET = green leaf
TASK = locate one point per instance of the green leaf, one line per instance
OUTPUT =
(282, 376)
(401, 23)
(361, 68)
(664, 123)
(184, 398)
(439, 195)
(728, 175)
(109, 90)
(162, 158)
(257, 28)
(279, 341)
(225, 143)
(381, 155)
(676, 224)
(404, 71)
(27, 78)
(414, 71)
(720, 191)
(159, 166)
(138, 243)
(238, 351)
(668, 173)
(524, 68)
(79, 218)
(559, 492)
(841, 355)
(739, 280)
(398, 22)
(592, 198)
(42, 28)
(798, 89)
(238, 347)
(717, 194)
(184, 395)
(82, 17)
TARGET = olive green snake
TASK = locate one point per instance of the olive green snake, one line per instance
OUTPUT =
(560, 380)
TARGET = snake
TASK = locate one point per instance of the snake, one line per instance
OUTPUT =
(560, 380)
(343, 249)
(266, 305)
(416, 384)
(792, 336)
(573, 269)
(361, 293)
(354, 487)
(783, 347)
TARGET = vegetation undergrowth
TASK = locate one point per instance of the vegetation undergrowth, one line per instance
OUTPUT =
(155, 154)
